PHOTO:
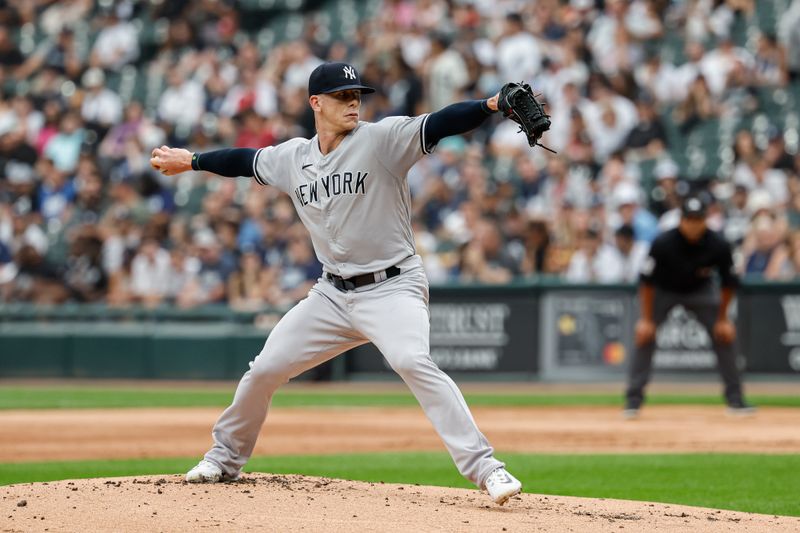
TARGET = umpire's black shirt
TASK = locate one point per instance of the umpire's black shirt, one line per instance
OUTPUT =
(677, 265)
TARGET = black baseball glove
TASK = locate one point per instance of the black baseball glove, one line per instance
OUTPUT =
(518, 103)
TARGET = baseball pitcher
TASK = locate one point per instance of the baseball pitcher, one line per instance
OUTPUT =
(348, 184)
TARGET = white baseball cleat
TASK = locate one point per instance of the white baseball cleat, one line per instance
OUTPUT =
(502, 485)
(204, 472)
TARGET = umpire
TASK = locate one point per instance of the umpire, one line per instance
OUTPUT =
(679, 271)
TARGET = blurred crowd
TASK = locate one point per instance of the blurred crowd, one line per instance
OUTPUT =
(83, 218)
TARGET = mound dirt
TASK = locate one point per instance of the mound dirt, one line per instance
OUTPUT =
(263, 502)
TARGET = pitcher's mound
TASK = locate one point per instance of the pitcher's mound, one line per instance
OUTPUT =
(263, 502)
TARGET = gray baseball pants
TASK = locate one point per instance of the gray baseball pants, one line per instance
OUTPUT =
(394, 316)
(705, 306)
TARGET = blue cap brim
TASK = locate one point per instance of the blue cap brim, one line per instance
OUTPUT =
(363, 88)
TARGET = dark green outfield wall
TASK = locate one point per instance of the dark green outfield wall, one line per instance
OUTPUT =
(521, 331)
(169, 350)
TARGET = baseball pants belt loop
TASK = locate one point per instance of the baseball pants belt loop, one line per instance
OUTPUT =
(355, 282)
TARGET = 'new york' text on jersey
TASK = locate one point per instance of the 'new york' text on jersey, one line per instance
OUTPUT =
(354, 201)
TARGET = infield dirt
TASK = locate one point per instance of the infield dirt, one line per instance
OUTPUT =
(34, 435)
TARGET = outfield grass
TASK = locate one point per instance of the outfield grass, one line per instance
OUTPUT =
(77, 398)
(743, 482)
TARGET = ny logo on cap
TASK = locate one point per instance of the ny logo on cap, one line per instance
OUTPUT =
(349, 72)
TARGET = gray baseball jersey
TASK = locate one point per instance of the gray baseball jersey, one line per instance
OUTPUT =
(355, 200)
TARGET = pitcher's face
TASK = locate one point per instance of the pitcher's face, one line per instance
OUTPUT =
(340, 110)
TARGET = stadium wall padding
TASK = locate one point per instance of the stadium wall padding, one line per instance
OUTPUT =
(542, 330)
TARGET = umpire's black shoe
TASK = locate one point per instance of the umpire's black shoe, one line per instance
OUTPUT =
(740, 408)
(631, 410)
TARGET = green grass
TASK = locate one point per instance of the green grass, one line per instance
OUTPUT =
(743, 482)
(76, 398)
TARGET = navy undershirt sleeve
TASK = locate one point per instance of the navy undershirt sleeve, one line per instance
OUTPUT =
(456, 118)
(460, 117)
(230, 162)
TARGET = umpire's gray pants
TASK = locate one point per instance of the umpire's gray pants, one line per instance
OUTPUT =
(705, 306)
(394, 316)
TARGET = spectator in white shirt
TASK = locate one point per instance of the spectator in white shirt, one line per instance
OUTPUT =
(63, 14)
(609, 118)
(789, 37)
(150, 273)
(559, 73)
(759, 177)
(101, 108)
(632, 253)
(182, 271)
(706, 19)
(665, 197)
(717, 65)
(608, 38)
(561, 110)
(737, 220)
(183, 102)
(26, 118)
(117, 44)
(770, 62)
(561, 184)
(302, 63)
(685, 74)
(447, 74)
(608, 134)
(518, 53)
(642, 20)
(594, 261)
(659, 78)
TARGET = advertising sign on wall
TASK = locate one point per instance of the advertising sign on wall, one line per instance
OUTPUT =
(770, 331)
(584, 334)
(472, 332)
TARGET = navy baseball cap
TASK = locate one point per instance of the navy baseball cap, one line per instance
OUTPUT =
(332, 77)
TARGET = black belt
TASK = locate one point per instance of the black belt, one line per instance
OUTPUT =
(355, 282)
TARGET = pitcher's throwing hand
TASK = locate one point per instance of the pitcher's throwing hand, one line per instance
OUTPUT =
(171, 161)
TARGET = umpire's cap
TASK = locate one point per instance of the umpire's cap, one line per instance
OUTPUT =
(693, 207)
(332, 77)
